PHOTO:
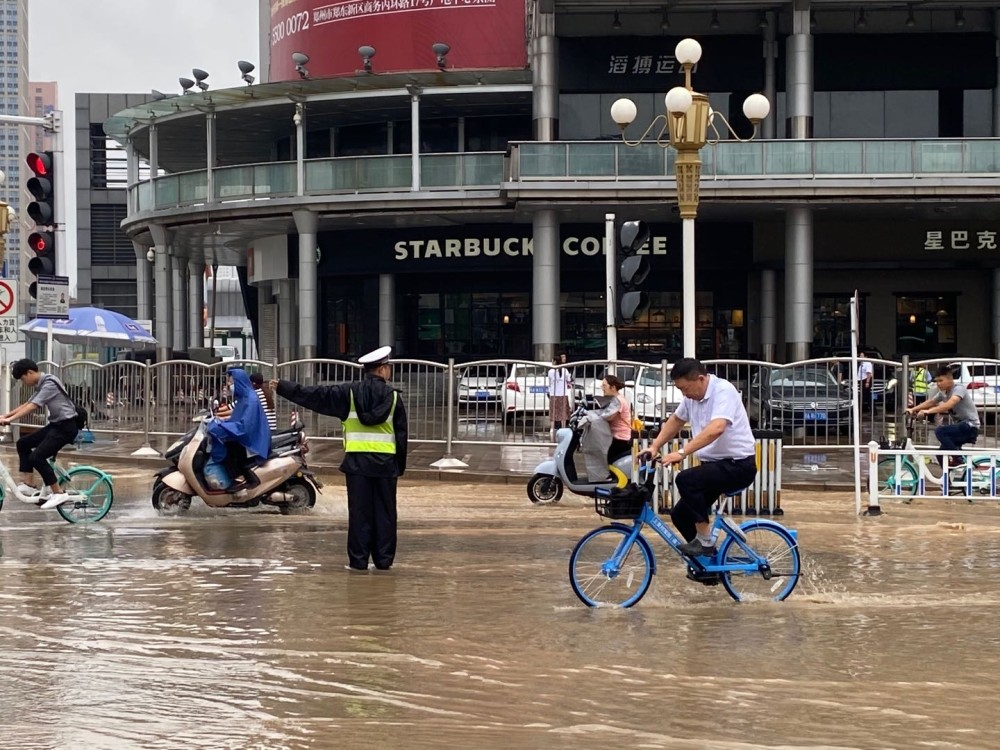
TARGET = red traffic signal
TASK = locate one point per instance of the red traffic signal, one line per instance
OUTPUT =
(40, 164)
(42, 189)
(41, 242)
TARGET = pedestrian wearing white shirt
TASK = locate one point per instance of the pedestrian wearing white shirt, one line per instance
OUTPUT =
(722, 440)
(560, 389)
(865, 375)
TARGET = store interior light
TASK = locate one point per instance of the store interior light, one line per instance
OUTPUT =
(910, 20)
(664, 21)
(617, 22)
(959, 18)
(862, 19)
(714, 23)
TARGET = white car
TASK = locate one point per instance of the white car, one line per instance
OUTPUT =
(526, 390)
(981, 379)
(481, 384)
(651, 402)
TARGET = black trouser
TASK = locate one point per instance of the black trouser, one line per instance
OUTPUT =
(35, 450)
(618, 448)
(371, 521)
(701, 486)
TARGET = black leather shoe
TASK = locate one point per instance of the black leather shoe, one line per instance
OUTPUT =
(695, 548)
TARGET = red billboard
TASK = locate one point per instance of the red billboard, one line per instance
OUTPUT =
(480, 33)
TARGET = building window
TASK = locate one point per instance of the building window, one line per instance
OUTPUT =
(832, 324)
(925, 324)
(108, 162)
(119, 296)
(108, 244)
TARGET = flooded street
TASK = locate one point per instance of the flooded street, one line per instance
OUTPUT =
(241, 629)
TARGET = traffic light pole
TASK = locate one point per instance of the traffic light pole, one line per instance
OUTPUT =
(52, 122)
(610, 268)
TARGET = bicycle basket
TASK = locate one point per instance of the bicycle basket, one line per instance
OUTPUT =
(626, 502)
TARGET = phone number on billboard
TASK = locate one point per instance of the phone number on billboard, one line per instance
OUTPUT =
(292, 25)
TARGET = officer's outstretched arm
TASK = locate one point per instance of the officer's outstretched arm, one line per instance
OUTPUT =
(332, 400)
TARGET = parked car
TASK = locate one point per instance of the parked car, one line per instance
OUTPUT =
(588, 387)
(481, 384)
(799, 396)
(982, 379)
(526, 391)
(647, 396)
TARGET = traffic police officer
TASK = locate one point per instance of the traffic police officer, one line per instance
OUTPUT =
(375, 432)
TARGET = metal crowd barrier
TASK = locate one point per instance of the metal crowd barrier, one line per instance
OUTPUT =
(762, 498)
(504, 403)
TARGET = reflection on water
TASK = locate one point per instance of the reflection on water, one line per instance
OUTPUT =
(242, 630)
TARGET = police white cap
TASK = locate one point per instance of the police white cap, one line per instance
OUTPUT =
(378, 357)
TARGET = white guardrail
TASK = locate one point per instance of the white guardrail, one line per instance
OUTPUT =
(904, 473)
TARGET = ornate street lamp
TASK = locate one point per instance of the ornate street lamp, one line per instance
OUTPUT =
(687, 122)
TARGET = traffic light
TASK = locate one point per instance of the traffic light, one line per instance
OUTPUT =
(632, 271)
(42, 211)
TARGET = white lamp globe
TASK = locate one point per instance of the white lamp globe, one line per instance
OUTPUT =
(687, 52)
(623, 112)
(756, 107)
(678, 100)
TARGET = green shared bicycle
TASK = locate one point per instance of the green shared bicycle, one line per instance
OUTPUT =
(90, 489)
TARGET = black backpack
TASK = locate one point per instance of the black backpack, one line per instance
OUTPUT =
(81, 414)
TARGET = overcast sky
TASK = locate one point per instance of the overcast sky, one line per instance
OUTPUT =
(134, 46)
(138, 45)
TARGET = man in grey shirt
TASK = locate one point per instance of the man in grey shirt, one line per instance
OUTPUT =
(35, 450)
(955, 398)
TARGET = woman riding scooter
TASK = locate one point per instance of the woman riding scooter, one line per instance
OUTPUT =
(243, 436)
(617, 412)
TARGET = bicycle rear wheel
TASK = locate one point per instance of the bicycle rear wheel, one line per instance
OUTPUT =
(781, 568)
(601, 583)
(92, 495)
(887, 478)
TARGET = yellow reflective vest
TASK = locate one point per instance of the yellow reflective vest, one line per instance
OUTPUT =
(920, 381)
(375, 438)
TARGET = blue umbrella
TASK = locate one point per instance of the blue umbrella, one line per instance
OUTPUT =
(92, 325)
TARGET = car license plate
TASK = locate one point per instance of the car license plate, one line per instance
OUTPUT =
(482, 395)
(815, 416)
(538, 388)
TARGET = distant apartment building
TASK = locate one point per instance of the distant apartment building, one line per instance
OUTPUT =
(43, 98)
(14, 139)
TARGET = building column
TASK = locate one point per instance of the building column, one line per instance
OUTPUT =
(143, 282)
(306, 224)
(178, 308)
(163, 296)
(996, 89)
(154, 162)
(545, 73)
(286, 321)
(996, 313)
(131, 176)
(386, 309)
(799, 74)
(196, 303)
(768, 315)
(769, 127)
(798, 283)
(299, 119)
(545, 285)
(210, 156)
(414, 137)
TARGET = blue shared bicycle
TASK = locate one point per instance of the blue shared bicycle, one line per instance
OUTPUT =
(613, 565)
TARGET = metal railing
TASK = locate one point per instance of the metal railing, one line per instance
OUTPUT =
(814, 158)
(504, 403)
(332, 176)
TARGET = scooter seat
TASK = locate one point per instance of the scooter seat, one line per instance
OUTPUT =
(283, 440)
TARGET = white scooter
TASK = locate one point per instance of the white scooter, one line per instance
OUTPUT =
(558, 472)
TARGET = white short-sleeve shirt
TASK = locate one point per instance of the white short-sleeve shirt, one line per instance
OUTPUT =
(722, 401)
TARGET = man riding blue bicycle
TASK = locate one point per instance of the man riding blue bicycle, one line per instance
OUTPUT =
(722, 440)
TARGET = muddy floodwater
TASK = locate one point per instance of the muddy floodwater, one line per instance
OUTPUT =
(242, 630)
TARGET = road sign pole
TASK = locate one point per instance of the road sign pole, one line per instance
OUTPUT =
(48, 342)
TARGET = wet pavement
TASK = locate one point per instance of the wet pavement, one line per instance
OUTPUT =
(241, 629)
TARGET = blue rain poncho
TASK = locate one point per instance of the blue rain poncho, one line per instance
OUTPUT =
(247, 425)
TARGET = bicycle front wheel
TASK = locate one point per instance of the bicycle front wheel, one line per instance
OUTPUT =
(887, 478)
(777, 573)
(605, 574)
(92, 495)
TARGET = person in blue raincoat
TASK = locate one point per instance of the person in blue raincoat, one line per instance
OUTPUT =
(244, 435)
